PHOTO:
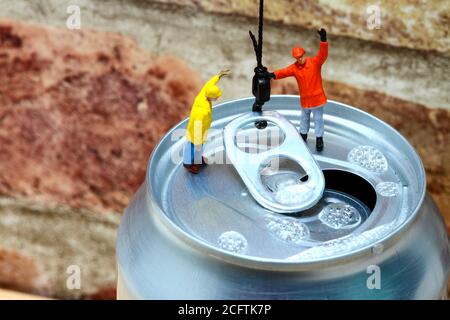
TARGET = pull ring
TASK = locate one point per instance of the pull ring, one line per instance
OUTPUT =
(284, 178)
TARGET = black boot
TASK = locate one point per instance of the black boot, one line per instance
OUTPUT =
(319, 144)
(304, 136)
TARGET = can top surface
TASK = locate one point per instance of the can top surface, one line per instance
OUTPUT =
(375, 183)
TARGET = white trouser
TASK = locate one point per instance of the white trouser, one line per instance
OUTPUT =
(305, 117)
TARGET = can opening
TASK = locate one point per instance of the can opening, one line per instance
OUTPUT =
(348, 201)
(351, 184)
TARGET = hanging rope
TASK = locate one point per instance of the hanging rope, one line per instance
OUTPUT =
(258, 45)
(260, 30)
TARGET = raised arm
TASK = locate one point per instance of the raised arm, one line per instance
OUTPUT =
(284, 73)
(322, 55)
(213, 81)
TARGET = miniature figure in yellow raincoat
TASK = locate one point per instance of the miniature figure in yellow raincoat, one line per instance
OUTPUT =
(199, 123)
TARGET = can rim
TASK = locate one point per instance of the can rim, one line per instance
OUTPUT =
(278, 264)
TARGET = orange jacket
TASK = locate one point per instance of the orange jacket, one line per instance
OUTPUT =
(308, 78)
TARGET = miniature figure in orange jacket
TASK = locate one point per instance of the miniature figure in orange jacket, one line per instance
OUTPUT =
(307, 72)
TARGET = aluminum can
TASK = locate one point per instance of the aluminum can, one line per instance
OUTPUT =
(375, 234)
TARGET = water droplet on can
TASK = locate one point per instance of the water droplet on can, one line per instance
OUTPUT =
(387, 189)
(340, 215)
(369, 158)
(377, 248)
(288, 230)
(292, 194)
(232, 241)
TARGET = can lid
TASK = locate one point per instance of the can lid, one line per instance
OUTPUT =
(374, 184)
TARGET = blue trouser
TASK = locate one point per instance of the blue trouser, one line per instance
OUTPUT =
(192, 154)
(305, 117)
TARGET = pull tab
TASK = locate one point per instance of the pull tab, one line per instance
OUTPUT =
(275, 164)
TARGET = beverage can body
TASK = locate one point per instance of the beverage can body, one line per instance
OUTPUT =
(376, 234)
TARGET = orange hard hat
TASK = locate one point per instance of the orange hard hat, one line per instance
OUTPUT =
(297, 52)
